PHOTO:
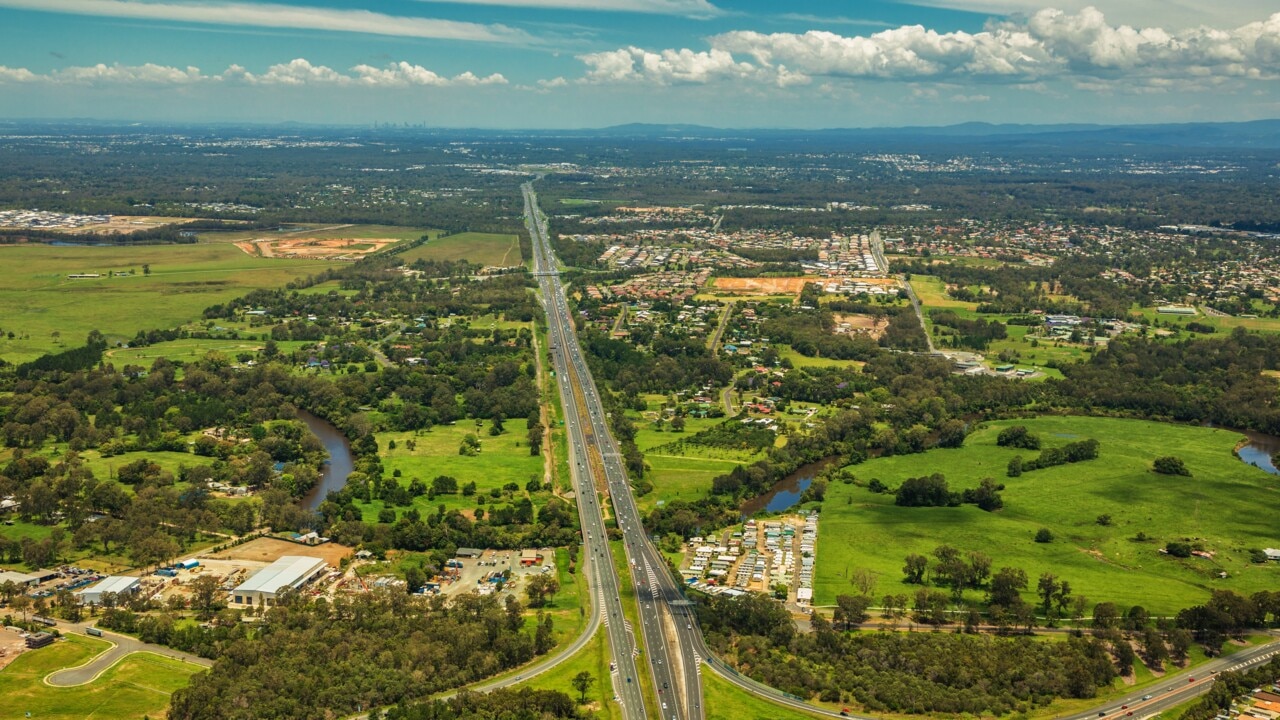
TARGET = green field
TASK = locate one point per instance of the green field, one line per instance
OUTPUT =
(488, 249)
(138, 686)
(1227, 506)
(593, 658)
(684, 475)
(46, 311)
(724, 701)
(502, 459)
(319, 231)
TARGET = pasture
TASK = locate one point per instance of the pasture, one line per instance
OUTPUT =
(1227, 507)
(46, 311)
(488, 249)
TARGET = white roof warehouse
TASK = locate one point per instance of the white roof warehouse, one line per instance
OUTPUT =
(118, 584)
(289, 572)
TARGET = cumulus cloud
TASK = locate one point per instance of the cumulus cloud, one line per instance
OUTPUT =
(1051, 43)
(296, 73)
(279, 16)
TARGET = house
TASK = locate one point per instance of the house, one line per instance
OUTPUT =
(290, 572)
(1271, 553)
(116, 584)
(530, 557)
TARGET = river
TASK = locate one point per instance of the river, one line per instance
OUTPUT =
(1258, 451)
(787, 491)
(334, 474)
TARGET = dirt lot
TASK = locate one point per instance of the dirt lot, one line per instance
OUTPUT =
(11, 645)
(874, 327)
(315, 248)
(764, 286)
(128, 224)
(268, 550)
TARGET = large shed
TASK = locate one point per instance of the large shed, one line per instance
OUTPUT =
(117, 584)
(289, 572)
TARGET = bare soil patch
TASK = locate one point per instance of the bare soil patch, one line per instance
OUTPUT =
(849, 323)
(11, 645)
(306, 248)
(269, 550)
(764, 286)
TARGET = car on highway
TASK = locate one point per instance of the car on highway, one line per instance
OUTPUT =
(1146, 697)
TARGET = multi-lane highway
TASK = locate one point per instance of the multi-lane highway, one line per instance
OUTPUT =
(671, 640)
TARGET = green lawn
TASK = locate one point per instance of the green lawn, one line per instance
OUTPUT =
(680, 473)
(488, 249)
(724, 701)
(502, 459)
(593, 658)
(39, 300)
(138, 686)
(1225, 506)
(193, 349)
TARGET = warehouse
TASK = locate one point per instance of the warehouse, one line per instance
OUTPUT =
(289, 572)
(117, 584)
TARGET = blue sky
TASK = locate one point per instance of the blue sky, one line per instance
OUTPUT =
(589, 63)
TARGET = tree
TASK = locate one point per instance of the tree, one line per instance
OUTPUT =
(952, 434)
(541, 587)
(205, 594)
(915, 568)
(864, 581)
(1006, 586)
(1043, 535)
(1015, 467)
(1170, 465)
(677, 423)
(851, 609)
(582, 682)
(1047, 589)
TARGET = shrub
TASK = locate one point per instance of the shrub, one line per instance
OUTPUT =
(1044, 536)
(1170, 465)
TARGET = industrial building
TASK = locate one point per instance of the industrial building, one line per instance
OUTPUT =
(289, 572)
(118, 584)
(17, 578)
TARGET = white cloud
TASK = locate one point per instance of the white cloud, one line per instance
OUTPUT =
(664, 68)
(297, 73)
(1177, 14)
(1049, 44)
(8, 74)
(279, 16)
(690, 8)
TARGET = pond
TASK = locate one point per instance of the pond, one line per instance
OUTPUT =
(1259, 450)
(787, 491)
(334, 474)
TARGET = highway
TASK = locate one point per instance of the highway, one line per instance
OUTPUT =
(666, 620)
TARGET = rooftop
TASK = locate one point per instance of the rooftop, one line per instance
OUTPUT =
(113, 584)
(285, 572)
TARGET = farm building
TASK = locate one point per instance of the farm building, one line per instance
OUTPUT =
(289, 572)
(118, 584)
(530, 557)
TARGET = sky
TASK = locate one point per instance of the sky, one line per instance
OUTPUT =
(595, 63)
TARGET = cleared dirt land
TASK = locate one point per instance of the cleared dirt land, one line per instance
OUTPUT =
(123, 225)
(763, 286)
(268, 550)
(874, 327)
(309, 248)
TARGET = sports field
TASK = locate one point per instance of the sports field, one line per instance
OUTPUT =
(46, 311)
(488, 249)
(1226, 506)
(138, 686)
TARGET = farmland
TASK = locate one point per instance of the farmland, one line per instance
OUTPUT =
(138, 686)
(46, 311)
(1223, 507)
(488, 249)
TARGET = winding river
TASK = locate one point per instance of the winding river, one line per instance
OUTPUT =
(1259, 450)
(335, 472)
(787, 491)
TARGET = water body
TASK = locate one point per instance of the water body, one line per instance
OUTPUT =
(334, 474)
(787, 491)
(1259, 450)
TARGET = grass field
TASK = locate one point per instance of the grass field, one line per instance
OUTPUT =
(502, 459)
(1226, 506)
(319, 231)
(138, 686)
(593, 658)
(39, 300)
(724, 701)
(193, 349)
(686, 475)
(488, 249)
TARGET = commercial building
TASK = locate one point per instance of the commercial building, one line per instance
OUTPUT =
(18, 578)
(289, 572)
(117, 584)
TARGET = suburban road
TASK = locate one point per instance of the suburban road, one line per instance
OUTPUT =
(123, 645)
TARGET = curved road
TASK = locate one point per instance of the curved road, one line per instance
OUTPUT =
(122, 646)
